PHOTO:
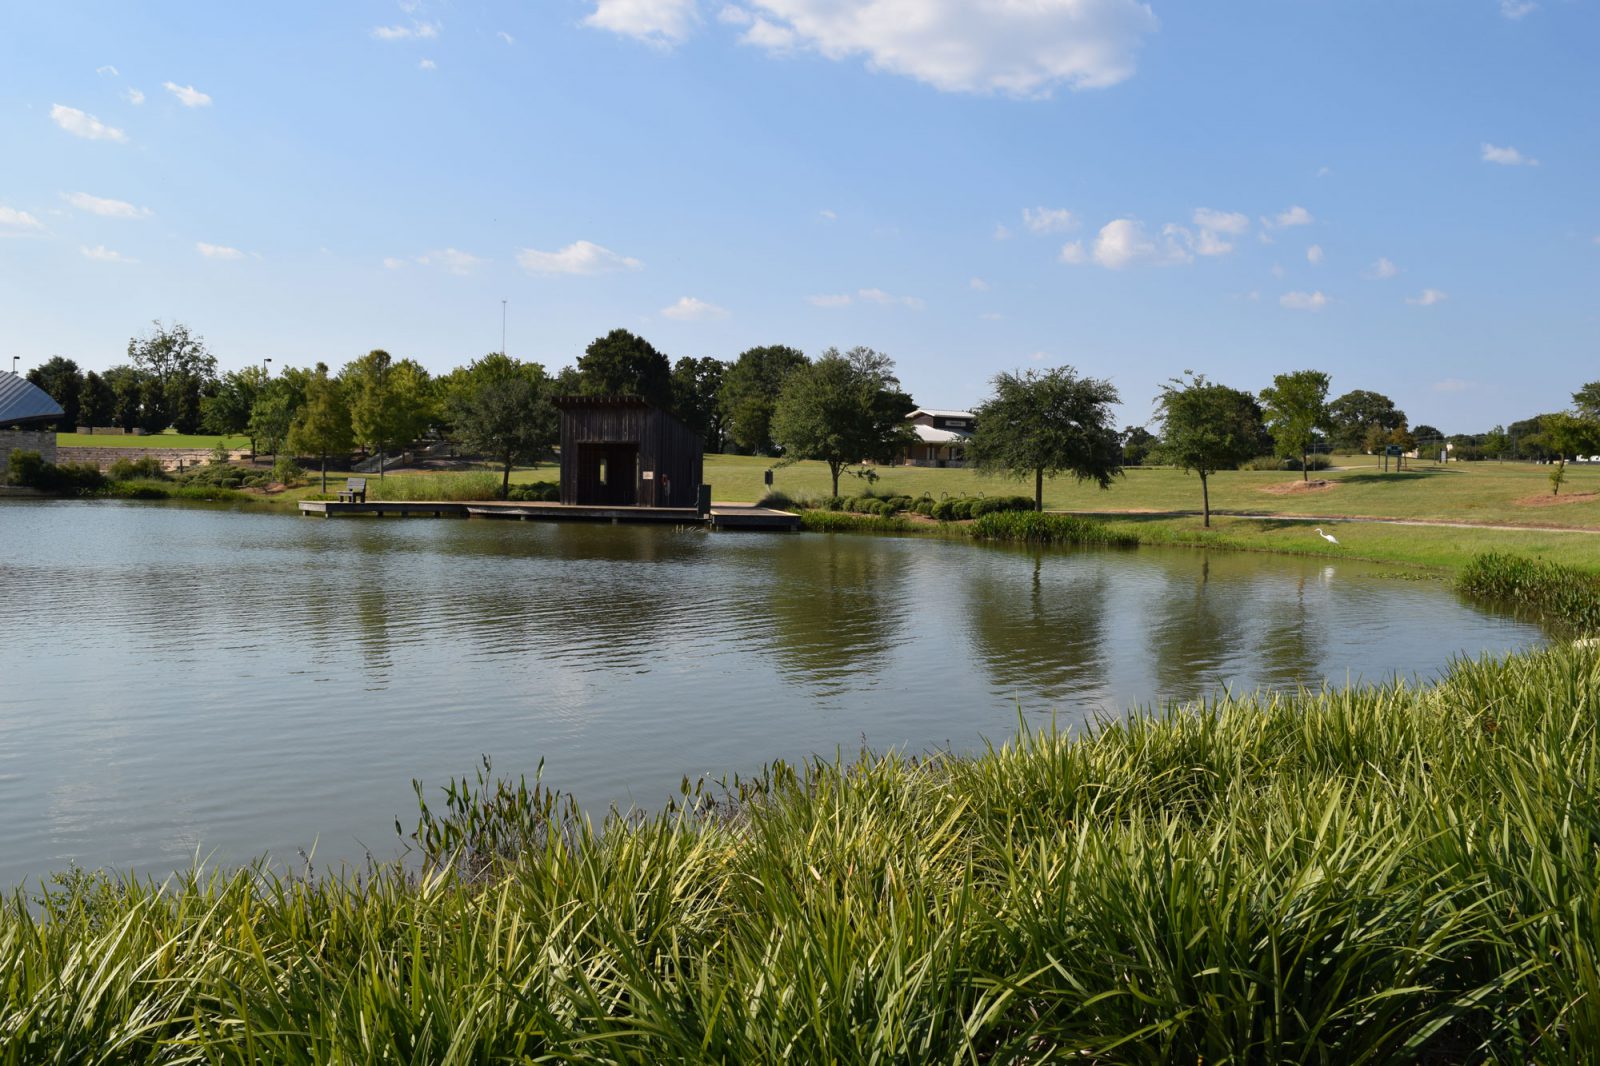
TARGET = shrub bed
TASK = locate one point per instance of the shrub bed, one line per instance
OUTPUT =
(1032, 527)
(1561, 595)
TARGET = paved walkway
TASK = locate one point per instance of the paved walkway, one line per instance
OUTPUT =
(1333, 519)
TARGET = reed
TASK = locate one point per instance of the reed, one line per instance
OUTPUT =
(1379, 874)
(455, 487)
(1563, 596)
(1034, 527)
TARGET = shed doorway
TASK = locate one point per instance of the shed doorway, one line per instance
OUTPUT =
(608, 474)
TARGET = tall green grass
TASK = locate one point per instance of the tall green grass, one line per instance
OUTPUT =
(1562, 595)
(477, 485)
(1385, 874)
(844, 522)
(1034, 527)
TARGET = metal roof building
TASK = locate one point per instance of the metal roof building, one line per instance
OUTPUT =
(22, 403)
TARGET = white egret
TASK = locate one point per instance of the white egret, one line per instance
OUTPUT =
(1329, 537)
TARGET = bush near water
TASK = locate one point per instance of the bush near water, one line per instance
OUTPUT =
(1380, 874)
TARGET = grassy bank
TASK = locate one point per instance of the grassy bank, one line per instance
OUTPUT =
(1382, 874)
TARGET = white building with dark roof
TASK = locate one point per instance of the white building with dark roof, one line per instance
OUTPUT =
(941, 437)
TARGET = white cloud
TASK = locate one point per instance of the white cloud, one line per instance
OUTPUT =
(187, 95)
(1018, 47)
(107, 71)
(1123, 243)
(878, 296)
(1039, 357)
(417, 31)
(452, 259)
(1453, 385)
(1323, 172)
(427, 64)
(659, 22)
(1314, 254)
(17, 221)
(1428, 297)
(992, 316)
(101, 254)
(1001, 233)
(690, 309)
(134, 97)
(393, 263)
(1516, 9)
(1382, 270)
(1507, 156)
(99, 205)
(828, 214)
(1048, 219)
(1289, 216)
(1303, 301)
(579, 257)
(1072, 252)
(217, 251)
(81, 124)
(834, 299)
(1229, 222)
(978, 285)
(506, 37)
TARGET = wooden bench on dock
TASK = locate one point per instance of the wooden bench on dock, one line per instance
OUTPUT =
(354, 491)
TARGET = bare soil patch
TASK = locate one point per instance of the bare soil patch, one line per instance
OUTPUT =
(1300, 488)
(1544, 499)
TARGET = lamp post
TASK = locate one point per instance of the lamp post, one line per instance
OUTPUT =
(264, 361)
(14, 359)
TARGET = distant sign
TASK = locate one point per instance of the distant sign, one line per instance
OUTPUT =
(648, 475)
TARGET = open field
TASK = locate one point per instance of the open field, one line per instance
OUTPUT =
(1378, 874)
(156, 440)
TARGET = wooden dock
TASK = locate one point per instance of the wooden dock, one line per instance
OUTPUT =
(722, 516)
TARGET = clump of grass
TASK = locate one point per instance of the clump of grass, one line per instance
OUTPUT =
(844, 522)
(1034, 527)
(1564, 596)
(1381, 874)
(477, 485)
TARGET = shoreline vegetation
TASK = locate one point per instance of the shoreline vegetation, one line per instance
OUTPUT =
(1380, 873)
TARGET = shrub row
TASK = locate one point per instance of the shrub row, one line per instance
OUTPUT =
(961, 508)
(842, 522)
(536, 492)
(1273, 462)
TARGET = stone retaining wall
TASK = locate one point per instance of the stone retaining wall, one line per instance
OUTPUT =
(169, 458)
(42, 441)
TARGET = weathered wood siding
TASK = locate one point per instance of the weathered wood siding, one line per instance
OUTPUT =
(602, 427)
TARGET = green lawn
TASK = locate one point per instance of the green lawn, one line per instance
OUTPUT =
(157, 440)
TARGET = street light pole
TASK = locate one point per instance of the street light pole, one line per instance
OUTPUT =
(264, 361)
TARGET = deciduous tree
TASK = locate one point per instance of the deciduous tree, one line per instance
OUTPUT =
(61, 378)
(1045, 424)
(695, 384)
(504, 409)
(1207, 427)
(322, 427)
(843, 409)
(1296, 407)
(1358, 411)
(621, 363)
(749, 394)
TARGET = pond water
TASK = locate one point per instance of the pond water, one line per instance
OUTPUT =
(180, 680)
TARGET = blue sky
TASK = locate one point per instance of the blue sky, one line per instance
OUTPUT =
(1403, 194)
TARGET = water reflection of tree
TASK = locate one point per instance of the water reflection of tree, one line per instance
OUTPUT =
(832, 606)
(1192, 632)
(1038, 621)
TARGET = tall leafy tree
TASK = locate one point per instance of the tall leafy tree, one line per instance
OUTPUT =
(1207, 427)
(61, 378)
(1352, 415)
(322, 426)
(184, 370)
(1046, 424)
(843, 409)
(1587, 400)
(749, 394)
(391, 401)
(626, 364)
(1296, 407)
(227, 411)
(95, 401)
(277, 404)
(126, 385)
(695, 385)
(505, 410)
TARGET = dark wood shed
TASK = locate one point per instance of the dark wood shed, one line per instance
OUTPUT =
(619, 451)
